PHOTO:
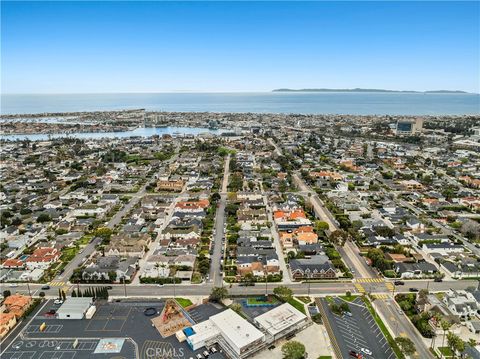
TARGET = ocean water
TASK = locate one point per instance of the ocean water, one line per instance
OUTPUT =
(359, 103)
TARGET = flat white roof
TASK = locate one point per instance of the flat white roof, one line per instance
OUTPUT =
(203, 331)
(75, 305)
(280, 318)
(236, 329)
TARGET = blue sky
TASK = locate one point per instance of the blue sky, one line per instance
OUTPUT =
(78, 47)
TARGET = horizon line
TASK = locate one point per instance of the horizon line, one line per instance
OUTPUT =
(365, 90)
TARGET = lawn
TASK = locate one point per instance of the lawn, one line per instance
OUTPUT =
(262, 300)
(184, 302)
(85, 240)
(349, 298)
(384, 329)
(446, 351)
(325, 357)
(306, 300)
(295, 303)
(196, 278)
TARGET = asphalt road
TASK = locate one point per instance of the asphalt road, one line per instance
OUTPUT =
(400, 325)
(215, 271)
(316, 288)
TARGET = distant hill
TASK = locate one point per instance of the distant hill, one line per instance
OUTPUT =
(362, 90)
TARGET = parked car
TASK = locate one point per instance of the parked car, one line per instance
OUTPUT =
(366, 351)
(414, 290)
(438, 280)
(398, 282)
(206, 353)
(354, 354)
(213, 350)
(13, 285)
(347, 313)
(199, 356)
(45, 287)
(57, 301)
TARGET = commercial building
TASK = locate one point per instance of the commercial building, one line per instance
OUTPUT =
(74, 308)
(238, 337)
(409, 127)
(235, 335)
(281, 320)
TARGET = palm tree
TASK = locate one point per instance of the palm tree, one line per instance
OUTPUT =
(445, 324)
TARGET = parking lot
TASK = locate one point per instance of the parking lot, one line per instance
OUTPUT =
(357, 331)
(117, 330)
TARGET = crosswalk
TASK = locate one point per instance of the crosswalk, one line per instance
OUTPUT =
(359, 287)
(57, 284)
(390, 286)
(370, 280)
(380, 296)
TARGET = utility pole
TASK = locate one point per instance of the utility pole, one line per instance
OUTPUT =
(266, 276)
(174, 280)
(124, 286)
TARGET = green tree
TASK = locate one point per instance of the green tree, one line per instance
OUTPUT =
(282, 292)
(218, 294)
(6, 293)
(455, 343)
(103, 232)
(321, 226)
(236, 307)
(293, 350)
(445, 324)
(43, 217)
(406, 345)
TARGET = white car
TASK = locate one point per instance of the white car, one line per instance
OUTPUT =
(366, 351)
(57, 301)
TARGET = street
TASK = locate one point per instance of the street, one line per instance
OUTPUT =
(215, 270)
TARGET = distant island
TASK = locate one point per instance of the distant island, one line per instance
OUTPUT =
(363, 90)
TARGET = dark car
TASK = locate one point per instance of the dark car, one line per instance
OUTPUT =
(398, 282)
(109, 287)
(45, 287)
(413, 289)
(354, 354)
(438, 280)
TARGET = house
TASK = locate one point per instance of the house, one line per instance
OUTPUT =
(462, 303)
(442, 248)
(411, 185)
(42, 257)
(415, 270)
(17, 304)
(132, 245)
(111, 268)
(473, 326)
(318, 266)
(170, 185)
(7, 322)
